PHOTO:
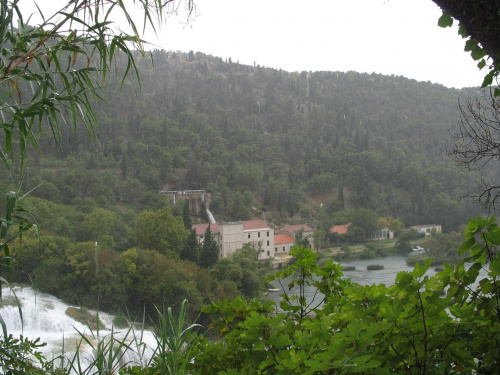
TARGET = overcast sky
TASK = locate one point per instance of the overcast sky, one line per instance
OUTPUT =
(399, 37)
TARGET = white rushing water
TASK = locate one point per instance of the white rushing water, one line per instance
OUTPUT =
(211, 218)
(44, 317)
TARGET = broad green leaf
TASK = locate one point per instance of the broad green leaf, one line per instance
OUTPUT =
(445, 20)
(478, 52)
(279, 341)
(462, 31)
(420, 269)
(493, 236)
(362, 364)
(466, 245)
(488, 79)
(470, 44)
(495, 267)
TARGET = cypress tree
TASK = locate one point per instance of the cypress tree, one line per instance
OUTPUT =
(124, 166)
(203, 212)
(341, 195)
(190, 251)
(210, 250)
(186, 216)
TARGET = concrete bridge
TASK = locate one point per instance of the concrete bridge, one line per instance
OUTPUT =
(195, 198)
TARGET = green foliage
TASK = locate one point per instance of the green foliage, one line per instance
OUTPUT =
(18, 356)
(411, 327)
(403, 245)
(251, 271)
(191, 249)
(120, 321)
(186, 216)
(479, 26)
(203, 212)
(160, 231)
(374, 267)
(246, 164)
(61, 73)
(175, 343)
(209, 250)
(300, 240)
(445, 20)
(12, 226)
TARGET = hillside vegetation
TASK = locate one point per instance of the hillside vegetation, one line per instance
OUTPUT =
(321, 148)
(281, 142)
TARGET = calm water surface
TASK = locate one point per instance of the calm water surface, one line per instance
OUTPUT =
(392, 266)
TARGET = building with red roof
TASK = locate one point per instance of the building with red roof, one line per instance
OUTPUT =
(291, 230)
(231, 236)
(340, 229)
(200, 229)
(283, 243)
(255, 225)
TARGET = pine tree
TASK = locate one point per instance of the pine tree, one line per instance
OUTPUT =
(341, 195)
(190, 251)
(186, 215)
(124, 166)
(203, 212)
(210, 250)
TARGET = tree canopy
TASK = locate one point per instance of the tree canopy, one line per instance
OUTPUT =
(51, 73)
(480, 21)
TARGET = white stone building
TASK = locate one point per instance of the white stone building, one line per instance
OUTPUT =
(233, 235)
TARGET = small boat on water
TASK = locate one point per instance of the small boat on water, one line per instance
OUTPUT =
(273, 290)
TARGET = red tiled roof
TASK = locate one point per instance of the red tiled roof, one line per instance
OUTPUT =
(340, 229)
(254, 224)
(201, 228)
(297, 227)
(282, 238)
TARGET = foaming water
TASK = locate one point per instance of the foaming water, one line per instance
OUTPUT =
(44, 317)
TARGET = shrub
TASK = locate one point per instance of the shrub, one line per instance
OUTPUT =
(368, 254)
(120, 321)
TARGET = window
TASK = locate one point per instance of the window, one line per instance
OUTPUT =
(248, 235)
(258, 234)
(267, 233)
(268, 253)
(267, 243)
(276, 249)
(283, 248)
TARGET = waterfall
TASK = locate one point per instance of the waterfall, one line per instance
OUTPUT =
(211, 219)
(44, 316)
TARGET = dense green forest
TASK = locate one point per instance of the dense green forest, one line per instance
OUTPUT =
(284, 143)
(321, 148)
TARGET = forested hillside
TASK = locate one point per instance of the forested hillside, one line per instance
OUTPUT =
(320, 148)
(283, 143)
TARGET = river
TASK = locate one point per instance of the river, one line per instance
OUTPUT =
(392, 266)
